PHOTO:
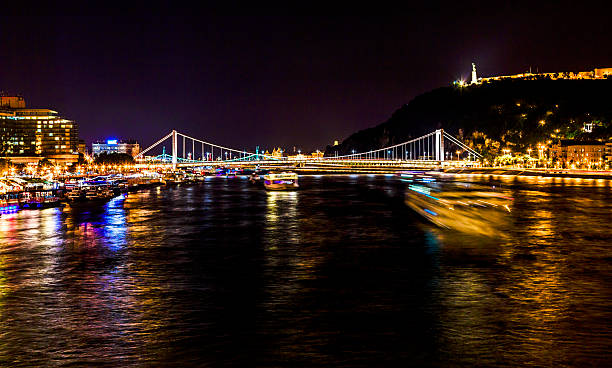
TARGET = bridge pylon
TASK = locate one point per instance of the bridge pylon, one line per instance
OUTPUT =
(174, 149)
(439, 150)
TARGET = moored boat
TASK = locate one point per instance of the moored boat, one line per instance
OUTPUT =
(75, 195)
(39, 199)
(98, 192)
(9, 202)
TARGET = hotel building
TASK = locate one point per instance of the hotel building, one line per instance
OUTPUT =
(27, 135)
(129, 147)
(580, 153)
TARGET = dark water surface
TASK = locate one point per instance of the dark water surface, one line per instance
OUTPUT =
(340, 273)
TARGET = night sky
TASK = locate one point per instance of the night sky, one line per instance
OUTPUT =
(278, 80)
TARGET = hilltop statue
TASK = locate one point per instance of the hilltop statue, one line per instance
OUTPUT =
(474, 78)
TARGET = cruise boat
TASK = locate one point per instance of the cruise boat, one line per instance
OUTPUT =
(75, 194)
(10, 188)
(39, 199)
(9, 202)
(143, 181)
(281, 181)
(97, 190)
(464, 207)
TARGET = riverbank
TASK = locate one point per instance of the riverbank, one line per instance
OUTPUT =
(562, 173)
(559, 173)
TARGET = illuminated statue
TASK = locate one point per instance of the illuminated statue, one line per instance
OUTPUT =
(474, 78)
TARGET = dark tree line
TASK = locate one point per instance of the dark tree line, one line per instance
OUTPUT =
(113, 159)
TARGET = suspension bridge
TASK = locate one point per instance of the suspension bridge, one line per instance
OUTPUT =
(430, 150)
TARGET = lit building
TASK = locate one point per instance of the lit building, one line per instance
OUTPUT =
(602, 72)
(129, 147)
(81, 147)
(277, 153)
(558, 152)
(317, 154)
(28, 135)
(608, 152)
(586, 153)
(598, 73)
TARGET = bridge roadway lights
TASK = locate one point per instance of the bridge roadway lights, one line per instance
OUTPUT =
(318, 163)
(432, 142)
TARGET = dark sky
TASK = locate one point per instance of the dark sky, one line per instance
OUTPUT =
(279, 80)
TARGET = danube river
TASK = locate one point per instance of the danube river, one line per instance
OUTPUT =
(339, 273)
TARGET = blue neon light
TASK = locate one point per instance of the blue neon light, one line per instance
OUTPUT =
(111, 141)
(430, 212)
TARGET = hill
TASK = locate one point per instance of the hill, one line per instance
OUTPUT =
(513, 114)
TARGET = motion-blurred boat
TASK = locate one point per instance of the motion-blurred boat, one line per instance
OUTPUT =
(415, 176)
(463, 207)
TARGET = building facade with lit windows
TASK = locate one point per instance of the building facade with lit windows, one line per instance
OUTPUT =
(581, 153)
(608, 152)
(586, 153)
(129, 147)
(27, 135)
(597, 73)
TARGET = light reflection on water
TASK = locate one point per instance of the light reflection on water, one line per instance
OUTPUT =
(339, 272)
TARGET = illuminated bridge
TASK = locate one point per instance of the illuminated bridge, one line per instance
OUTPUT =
(430, 150)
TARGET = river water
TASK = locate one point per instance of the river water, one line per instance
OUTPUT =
(339, 273)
